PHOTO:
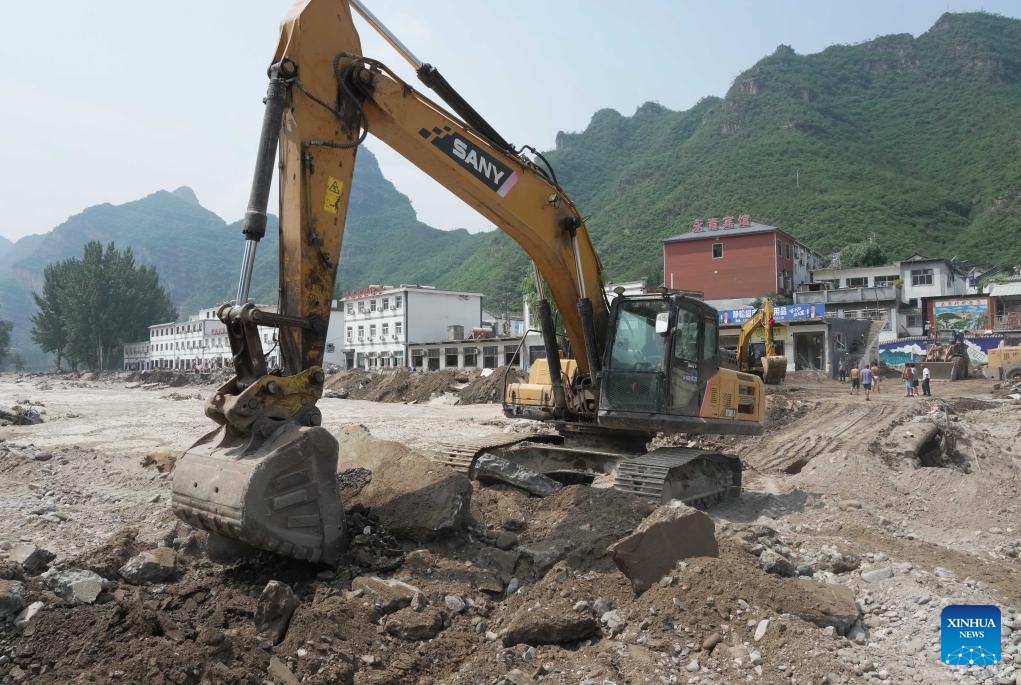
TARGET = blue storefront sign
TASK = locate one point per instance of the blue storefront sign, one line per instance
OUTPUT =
(784, 312)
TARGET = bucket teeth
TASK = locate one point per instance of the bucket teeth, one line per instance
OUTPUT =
(280, 496)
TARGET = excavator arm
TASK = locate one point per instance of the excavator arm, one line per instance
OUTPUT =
(264, 476)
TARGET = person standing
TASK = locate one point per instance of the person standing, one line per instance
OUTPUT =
(908, 376)
(842, 370)
(875, 375)
(925, 381)
(855, 379)
(866, 380)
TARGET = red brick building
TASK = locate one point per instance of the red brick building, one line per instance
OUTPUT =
(733, 258)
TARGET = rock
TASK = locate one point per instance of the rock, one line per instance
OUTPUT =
(692, 666)
(877, 574)
(760, 629)
(848, 504)
(711, 641)
(548, 625)
(804, 570)
(613, 620)
(280, 674)
(755, 658)
(388, 596)
(274, 610)
(772, 562)
(506, 540)
(837, 562)
(543, 554)
(408, 624)
(489, 468)
(824, 604)
(455, 604)
(413, 497)
(75, 585)
(27, 614)
(12, 598)
(33, 559)
(152, 566)
(672, 532)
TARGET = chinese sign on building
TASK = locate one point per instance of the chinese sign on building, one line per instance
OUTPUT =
(962, 315)
(786, 312)
(715, 223)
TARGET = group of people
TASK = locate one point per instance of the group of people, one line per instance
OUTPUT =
(867, 378)
(910, 376)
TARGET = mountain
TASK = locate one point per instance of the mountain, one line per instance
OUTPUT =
(198, 255)
(912, 142)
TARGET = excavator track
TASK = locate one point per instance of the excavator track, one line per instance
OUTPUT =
(698, 478)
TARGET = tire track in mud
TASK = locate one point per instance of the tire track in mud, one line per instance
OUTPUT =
(832, 429)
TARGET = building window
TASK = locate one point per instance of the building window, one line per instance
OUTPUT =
(914, 320)
(416, 358)
(859, 282)
(450, 354)
(434, 359)
(779, 283)
(361, 334)
(331, 348)
(779, 249)
(471, 356)
(788, 250)
(489, 357)
(372, 332)
(361, 306)
(372, 305)
(717, 250)
(386, 329)
(397, 302)
(349, 333)
(350, 308)
(386, 303)
(398, 328)
(399, 358)
(921, 277)
(886, 280)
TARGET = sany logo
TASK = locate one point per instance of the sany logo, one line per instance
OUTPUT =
(498, 176)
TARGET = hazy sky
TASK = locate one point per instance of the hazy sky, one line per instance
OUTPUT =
(110, 101)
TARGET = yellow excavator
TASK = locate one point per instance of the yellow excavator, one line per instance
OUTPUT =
(763, 359)
(266, 475)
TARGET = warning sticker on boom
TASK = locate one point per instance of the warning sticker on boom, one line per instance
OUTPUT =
(334, 186)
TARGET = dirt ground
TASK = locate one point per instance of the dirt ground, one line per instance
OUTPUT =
(840, 488)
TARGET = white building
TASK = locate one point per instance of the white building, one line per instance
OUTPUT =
(893, 293)
(201, 343)
(380, 322)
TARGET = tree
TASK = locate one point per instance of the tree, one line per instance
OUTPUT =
(777, 299)
(91, 306)
(867, 253)
(5, 338)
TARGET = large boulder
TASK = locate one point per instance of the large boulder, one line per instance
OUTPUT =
(824, 604)
(12, 598)
(413, 497)
(76, 585)
(672, 532)
(152, 566)
(274, 610)
(33, 559)
(489, 468)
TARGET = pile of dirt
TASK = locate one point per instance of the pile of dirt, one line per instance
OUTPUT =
(397, 385)
(479, 607)
(489, 388)
(405, 385)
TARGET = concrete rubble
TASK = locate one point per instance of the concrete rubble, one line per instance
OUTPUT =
(489, 468)
(673, 532)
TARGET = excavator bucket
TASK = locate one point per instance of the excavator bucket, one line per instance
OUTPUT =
(774, 369)
(278, 493)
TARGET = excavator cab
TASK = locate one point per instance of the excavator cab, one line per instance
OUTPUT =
(662, 370)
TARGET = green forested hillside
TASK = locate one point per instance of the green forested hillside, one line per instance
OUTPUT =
(915, 142)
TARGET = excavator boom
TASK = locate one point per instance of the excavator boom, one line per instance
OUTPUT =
(266, 475)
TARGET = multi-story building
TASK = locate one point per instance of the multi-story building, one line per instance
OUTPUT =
(731, 259)
(898, 294)
(380, 322)
(201, 343)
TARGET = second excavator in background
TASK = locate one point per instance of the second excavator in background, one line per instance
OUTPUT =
(630, 368)
(765, 359)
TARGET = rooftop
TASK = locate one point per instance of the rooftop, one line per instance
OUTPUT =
(706, 232)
